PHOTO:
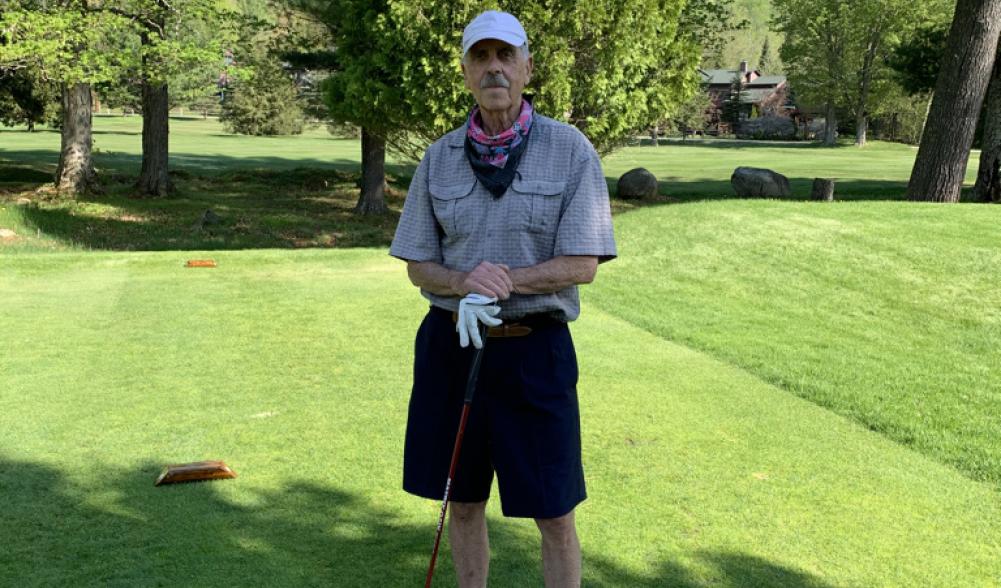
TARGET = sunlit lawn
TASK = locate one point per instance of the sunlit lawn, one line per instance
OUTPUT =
(774, 393)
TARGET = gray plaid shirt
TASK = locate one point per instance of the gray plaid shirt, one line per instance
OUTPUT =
(557, 205)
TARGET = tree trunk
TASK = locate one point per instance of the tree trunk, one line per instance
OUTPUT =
(861, 120)
(988, 186)
(655, 131)
(959, 93)
(75, 173)
(154, 179)
(830, 125)
(373, 174)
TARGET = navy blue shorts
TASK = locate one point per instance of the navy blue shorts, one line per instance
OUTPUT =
(524, 422)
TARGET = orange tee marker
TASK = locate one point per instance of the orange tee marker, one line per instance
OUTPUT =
(194, 472)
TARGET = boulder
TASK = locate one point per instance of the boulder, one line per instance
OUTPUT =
(637, 183)
(751, 182)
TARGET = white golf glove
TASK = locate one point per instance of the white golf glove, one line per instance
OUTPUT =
(473, 310)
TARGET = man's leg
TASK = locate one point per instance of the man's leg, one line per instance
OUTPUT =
(560, 552)
(467, 533)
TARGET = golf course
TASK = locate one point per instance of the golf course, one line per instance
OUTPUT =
(773, 392)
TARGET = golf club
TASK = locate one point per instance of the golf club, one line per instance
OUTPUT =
(474, 371)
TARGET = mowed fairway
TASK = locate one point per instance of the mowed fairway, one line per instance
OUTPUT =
(294, 367)
(773, 393)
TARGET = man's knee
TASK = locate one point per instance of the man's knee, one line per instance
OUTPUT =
(466, 512)
(561, 529)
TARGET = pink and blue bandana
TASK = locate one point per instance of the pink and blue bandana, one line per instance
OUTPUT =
(495, 150)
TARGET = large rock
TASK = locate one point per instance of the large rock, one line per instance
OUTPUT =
(755, 182)
(637, 183)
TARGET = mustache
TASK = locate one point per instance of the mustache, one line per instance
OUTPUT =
(494, 81)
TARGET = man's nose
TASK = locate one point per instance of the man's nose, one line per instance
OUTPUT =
(494, 65)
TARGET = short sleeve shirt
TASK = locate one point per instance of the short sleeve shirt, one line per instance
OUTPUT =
(557, 205)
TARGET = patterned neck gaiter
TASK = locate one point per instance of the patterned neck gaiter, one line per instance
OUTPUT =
(495, 150)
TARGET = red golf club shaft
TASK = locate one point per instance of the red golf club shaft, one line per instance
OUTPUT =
(474, 371)
(448, 491)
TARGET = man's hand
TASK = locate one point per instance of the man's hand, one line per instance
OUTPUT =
(473, 310)
(491, 280)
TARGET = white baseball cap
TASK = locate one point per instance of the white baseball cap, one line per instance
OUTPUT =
(493, 25)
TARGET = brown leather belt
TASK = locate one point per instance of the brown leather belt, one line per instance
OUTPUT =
(518, 328)
(503, 330)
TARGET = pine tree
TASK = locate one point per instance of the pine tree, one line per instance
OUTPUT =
(766, 60)
(265, 104)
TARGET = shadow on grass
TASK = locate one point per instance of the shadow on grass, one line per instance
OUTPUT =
(741, 144)
(247, 217)
(686, 190)
(276, 202)
(681, 191)
(194, 163)
(24, 174)
(118, 529)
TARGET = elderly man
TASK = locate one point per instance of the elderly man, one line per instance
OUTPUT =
(511, 211)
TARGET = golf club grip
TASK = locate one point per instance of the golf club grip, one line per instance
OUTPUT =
(474, 369)
(448, 491)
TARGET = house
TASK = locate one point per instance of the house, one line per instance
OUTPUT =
(761, 95)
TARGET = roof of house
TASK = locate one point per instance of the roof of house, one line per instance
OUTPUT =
(724, 77)
(767, 81)
(718, 76)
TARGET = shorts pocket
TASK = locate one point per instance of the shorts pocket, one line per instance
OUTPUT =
(446, 200)
(542, 200)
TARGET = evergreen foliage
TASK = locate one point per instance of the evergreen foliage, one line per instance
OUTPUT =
(733, 110)
(766, 61)
(918, 58)
(611, 68)
(265, 103)
(691, 114)
(26, 98)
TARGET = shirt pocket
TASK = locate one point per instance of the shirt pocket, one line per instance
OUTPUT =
(446, 199)
(540, 201)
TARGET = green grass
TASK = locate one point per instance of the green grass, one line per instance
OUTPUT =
(774, 393)
(196, 145)
(287, 192)
(698, 169)
(295, 368)
(885, 312)
(293, 192)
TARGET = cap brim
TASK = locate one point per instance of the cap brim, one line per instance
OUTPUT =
(509, 38)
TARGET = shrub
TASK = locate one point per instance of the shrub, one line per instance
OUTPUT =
(767, 127)
(265, 104)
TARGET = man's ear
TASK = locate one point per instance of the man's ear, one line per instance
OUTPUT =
(465, 79)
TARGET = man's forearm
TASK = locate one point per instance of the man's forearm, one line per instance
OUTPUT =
(555, 274)
(435, 278)
(497, 280)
